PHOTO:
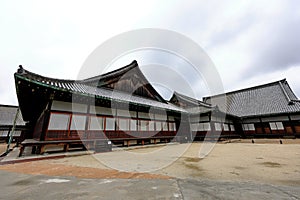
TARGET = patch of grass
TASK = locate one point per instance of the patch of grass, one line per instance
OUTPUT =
(191, 166)
(22, 182)
(271, 164)
(190, 159)
(239, 168)
(196, 174)
(290, 182)
(235, 173)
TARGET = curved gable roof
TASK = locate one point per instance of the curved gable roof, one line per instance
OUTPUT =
(186, 101)
(34, 90)
(129, 79)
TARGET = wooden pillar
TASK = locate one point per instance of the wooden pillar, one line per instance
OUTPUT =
(46, 119)
(42, 151)
(22, 148)
(94, 144)
(262, 126)
(69, 125)
(292, 125)
(66, 147)
(33, 150)
(87, 118)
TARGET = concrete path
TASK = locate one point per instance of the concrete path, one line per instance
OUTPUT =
(22, 186)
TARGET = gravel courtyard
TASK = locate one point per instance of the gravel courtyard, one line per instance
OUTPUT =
(262, 162)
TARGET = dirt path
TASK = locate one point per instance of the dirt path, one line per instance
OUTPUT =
(52, 169)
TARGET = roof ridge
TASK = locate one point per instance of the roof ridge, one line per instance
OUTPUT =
(22, 71)
(285, 93)
(245, 89)
(294, 95)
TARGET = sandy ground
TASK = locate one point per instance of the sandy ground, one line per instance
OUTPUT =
(266, 163)
(263, 162)
(3, 147)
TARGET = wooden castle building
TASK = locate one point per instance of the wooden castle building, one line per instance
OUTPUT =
(122, 107)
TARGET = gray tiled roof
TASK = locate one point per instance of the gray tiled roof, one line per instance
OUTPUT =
(81, 87)
(7, 116)
(268, 99)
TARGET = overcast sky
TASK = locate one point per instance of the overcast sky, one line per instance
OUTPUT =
(250, 42)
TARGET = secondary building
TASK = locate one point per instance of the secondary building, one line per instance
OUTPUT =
(8, 116)
(269, 110)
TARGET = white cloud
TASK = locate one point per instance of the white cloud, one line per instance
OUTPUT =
(53, 38)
